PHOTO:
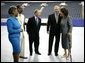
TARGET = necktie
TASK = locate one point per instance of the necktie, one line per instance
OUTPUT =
(37, 20)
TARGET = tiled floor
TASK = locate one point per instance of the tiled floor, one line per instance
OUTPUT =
(77, 47)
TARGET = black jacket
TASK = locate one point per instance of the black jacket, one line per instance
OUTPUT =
(52, 26)
(32, 26)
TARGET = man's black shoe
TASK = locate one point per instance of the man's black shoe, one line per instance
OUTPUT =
(38, 53)
(56, 54)
(49, 54)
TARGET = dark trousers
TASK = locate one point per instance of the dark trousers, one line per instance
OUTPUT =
(57, 39)
(33, 39)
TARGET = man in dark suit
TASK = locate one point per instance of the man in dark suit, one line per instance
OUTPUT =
(33, 27)
(53, 28)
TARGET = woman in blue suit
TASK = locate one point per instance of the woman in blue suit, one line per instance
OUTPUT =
(14, 30)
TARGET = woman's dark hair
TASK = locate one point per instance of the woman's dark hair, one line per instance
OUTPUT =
(11, 9)
(64, 11)
(19, 8)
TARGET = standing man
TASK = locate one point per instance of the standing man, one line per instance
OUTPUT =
(53, 28)
(33, 27)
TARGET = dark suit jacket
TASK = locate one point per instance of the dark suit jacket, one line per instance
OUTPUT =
(32, 26)
(52, 26)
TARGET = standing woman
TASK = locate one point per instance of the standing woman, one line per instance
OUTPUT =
(14, 30)
(21, 19)
(66, 30)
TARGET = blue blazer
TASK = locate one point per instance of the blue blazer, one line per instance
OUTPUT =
(13, 27)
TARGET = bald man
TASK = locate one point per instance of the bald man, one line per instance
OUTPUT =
(53, 28)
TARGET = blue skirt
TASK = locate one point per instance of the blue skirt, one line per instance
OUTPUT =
(15, 41)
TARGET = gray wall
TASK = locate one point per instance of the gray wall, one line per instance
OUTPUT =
(73, 7)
